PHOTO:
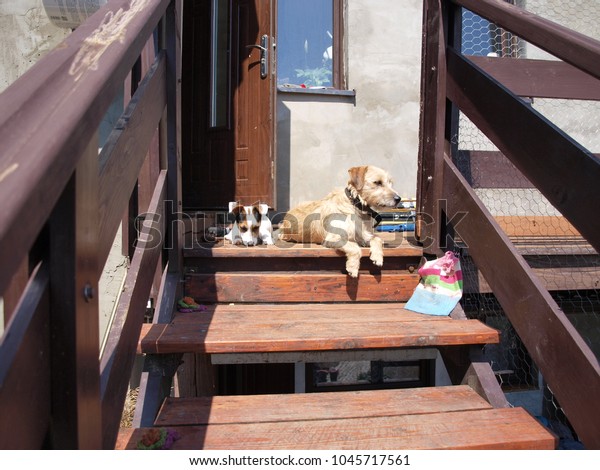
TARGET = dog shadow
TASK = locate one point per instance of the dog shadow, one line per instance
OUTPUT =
(358, 288)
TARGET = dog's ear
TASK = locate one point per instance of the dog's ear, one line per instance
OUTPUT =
(263, 209)
(236, 209)
(357, 176)
(256, 212)
(233, 205)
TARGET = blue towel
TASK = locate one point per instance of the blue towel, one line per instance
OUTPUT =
(431, 303)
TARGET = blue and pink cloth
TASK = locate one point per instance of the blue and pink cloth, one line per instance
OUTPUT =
(440, 287)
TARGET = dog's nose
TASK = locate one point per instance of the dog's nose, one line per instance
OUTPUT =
(397, 199)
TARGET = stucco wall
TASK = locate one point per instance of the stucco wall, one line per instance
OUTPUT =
(319, 138)
(26, 34)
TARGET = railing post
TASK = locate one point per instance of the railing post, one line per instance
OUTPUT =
(432, 125)
(173, 160)
(75, 421)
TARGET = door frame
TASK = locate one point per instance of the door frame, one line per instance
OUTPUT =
(202, 190)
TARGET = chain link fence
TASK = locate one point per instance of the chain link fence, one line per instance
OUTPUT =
(565, 263)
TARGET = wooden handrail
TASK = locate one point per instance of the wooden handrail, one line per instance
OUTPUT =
(123, 154)
(23, 423)
(536, 78)
(564, 171)
(549, 161)
(50, 114)
(565, 360)
(122, 342)
(62, 203)
(571, 46)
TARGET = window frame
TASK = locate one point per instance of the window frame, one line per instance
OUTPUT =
(339, 85)
(339, 77)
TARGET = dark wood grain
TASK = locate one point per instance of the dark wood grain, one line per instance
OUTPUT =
(123, 154)
(552, 37)
(554, 341)
(74, 310)
(548, 161)
(119, 352)
(25, 368)
(540, 78)
(431, 126)
(50, 115)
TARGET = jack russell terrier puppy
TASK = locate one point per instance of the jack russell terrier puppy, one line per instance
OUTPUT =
(251, 226)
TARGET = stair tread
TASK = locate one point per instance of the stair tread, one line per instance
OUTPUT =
(281, 249)
(300, 327)
(314, 406)
(456, 428)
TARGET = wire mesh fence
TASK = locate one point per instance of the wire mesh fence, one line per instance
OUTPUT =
(564, 262)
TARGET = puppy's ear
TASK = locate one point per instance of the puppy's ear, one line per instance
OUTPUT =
(357, 176)
(263, 209)
(256, 212)
(236, 209)
(232, 206)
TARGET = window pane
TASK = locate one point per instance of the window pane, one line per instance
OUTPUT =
(304, 42)
(219, 96)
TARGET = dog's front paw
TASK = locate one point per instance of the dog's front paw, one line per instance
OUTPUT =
(377, 259)
(352, 269)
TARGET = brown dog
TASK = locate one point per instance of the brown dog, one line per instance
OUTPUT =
(345, 218)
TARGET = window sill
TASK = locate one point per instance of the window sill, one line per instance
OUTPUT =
(315, 91)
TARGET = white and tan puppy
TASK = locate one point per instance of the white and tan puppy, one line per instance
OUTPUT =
(345, 218)
(251, 226)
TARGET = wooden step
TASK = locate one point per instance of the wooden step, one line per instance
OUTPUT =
(392, 248)
(427, 418)
(288, 272)
(290, 256)
(301, 286)
(311, 406)
(556, 271)
(308, 327)
(558, 255)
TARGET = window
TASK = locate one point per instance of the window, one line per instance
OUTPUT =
(309, 52)
(219, 67)
(369, 375)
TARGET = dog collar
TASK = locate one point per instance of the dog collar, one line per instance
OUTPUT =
(364, 208)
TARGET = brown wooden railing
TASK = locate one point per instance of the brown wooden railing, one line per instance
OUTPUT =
(564, 172)
(62, 203)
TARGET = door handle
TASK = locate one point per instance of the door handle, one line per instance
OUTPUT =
(263, 47)
(256, 46)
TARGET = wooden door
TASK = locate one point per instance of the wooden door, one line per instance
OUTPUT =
(227, 104)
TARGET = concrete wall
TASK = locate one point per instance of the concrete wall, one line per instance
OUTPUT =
(320, 137)
(26, 34)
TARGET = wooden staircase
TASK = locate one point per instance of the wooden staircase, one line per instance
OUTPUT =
(293, 304)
